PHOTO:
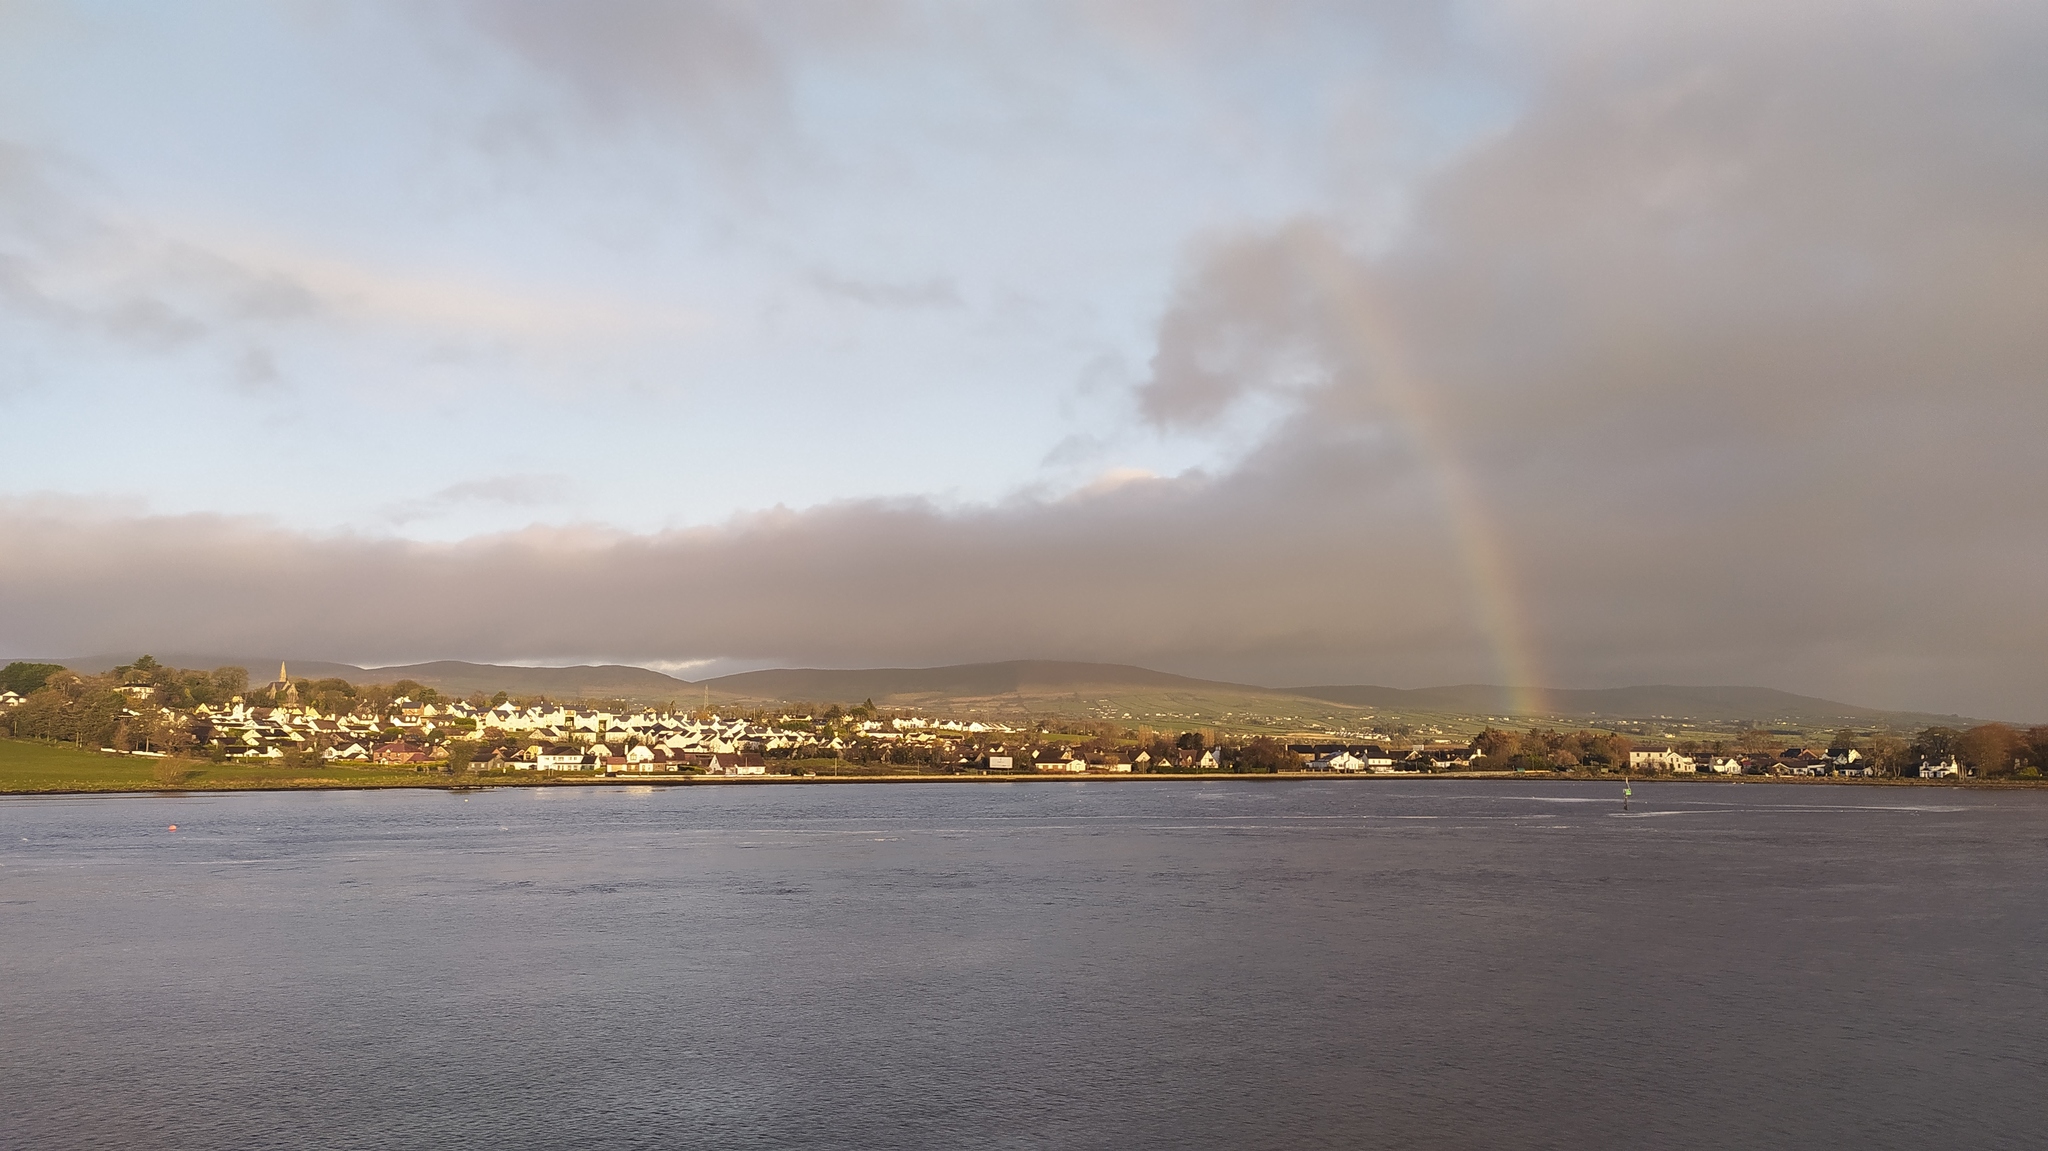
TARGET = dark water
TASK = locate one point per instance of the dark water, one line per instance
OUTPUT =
(1241, 964)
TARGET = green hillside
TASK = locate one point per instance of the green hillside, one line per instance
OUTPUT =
(1019, 679)
(28, 766)
(1725, 705)
(1118, 692)
(602, 681)
(450, 677)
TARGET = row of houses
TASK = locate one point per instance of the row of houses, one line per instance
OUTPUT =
(1381, 760)
(542, 717)
(1314, 757)
(1378, 759)
(1800, 761)
(597, 736)
(411, 732)
(562, 738)
(636, 759)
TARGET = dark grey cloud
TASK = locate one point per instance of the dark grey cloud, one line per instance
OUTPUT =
(50, 234)
(1145, 569)
(70, 263)
(1698, 327)
(1258, 317)
(633, 58)
(720, 70)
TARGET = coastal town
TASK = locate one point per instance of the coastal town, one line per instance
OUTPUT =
(151, 711)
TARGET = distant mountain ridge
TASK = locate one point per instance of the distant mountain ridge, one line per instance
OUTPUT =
(1112, 690)
(583, 681)
(449, 676)
(977, 680)
(1726, 704)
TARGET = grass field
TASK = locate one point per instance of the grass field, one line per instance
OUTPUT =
(27, 766)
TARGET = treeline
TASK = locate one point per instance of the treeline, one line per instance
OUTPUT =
(1540, 749)
(179, 687)
(91, 710)
(1989, 749)
(340, 697)
(23, 678)
(108, 711)
(1093, 742)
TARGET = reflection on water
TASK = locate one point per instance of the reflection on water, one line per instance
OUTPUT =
(1357, 963)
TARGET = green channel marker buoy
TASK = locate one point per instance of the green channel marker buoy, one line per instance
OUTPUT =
(1626, 791)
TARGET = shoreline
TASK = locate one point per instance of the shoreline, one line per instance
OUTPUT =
(493, 783)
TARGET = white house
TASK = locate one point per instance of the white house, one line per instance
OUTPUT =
(1949, 769)
(1661, 758)
(730, 764)
(1342, 761)
(559, 759)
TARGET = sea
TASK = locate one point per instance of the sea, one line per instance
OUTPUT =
(1238, 963)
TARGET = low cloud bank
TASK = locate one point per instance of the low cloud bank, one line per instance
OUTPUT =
(1188, 573)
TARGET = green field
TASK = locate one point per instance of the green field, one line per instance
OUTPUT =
(27, 766)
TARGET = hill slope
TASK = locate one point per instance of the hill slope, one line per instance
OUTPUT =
(1094, 690)
(451, 677)
(1658, 701)
(1023, 678)
(584, 681)
(261, 669)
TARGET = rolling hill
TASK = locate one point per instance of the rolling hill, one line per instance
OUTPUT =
(452, 677)
(1092, 690)
(261, 669)
(1015, 688)
(1023, 679)
(584, 681)
(1660, 701)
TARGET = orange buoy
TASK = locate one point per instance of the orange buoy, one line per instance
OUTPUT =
(174, 827)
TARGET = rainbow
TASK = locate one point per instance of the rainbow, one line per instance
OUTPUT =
(1372, 341)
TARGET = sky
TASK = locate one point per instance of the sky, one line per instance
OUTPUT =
(1565, 343)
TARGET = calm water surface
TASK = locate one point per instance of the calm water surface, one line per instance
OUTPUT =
(1231, 965)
